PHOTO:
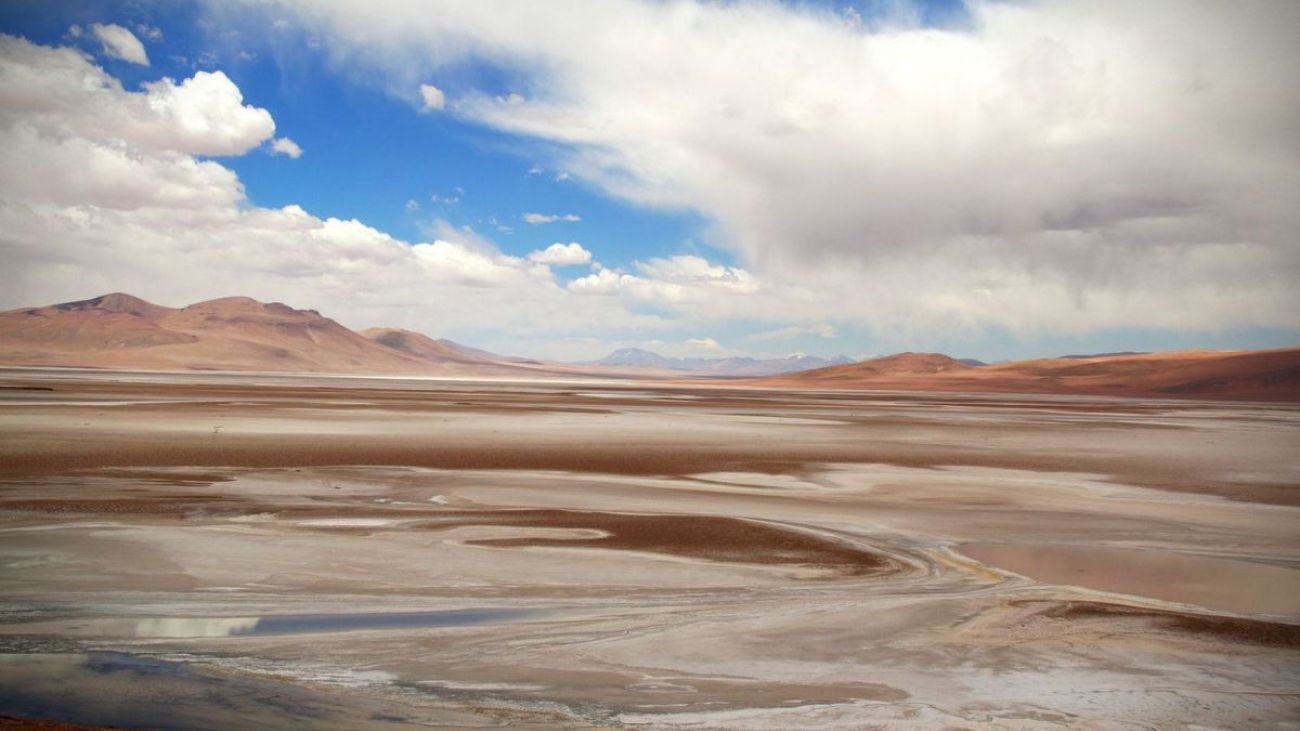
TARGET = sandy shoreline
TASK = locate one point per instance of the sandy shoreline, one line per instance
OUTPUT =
(664, 557)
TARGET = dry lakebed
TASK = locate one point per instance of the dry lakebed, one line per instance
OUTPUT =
(212, 551)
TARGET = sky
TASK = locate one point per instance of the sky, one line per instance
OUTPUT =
(994, 180)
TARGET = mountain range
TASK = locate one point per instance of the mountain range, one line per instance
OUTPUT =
(242, 334)
(1264, 375)
(232, 333)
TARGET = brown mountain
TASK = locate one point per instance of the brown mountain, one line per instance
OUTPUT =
(452, 358)
(232, 333)
(1255, 375)
(426, 348)
(899, 364)
(105, 323)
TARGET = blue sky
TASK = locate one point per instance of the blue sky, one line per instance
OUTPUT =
(871, 177)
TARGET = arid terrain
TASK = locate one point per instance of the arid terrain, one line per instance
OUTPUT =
(663, 365)
(212, 551)
(240, 334)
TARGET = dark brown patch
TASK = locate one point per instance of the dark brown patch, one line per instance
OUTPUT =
(154, 505)
(692, 536)
(1234, 629)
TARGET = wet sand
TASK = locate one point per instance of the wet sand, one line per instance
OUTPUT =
(1227, 584)
(288, 552)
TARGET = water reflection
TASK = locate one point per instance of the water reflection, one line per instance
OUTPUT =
(283, 624)
(118, 690)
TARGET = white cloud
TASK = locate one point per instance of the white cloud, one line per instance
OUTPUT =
(688, 269)
(1060, 166)
(570, 254)
(58, 94)
(206, 115)
(686, 283)
(120, 43)
(432, 97)
(821, 330)
(454, 262)
(286, 146)
(412, 205)
(151, 32)
(540, 218)
(708, 344)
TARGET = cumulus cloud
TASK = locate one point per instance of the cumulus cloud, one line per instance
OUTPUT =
(570, 254)
(120, 43)
(205, 115)
(433, 98)
(58, 95)
(540, 218)
(1066, 165)
(286, 146)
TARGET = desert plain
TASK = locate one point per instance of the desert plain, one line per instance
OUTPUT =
(213, 551)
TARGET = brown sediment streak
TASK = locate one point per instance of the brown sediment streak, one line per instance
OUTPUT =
(1234, 629)
(155, 505)
(691, 536)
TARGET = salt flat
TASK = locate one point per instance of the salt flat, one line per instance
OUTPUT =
(284, 551)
